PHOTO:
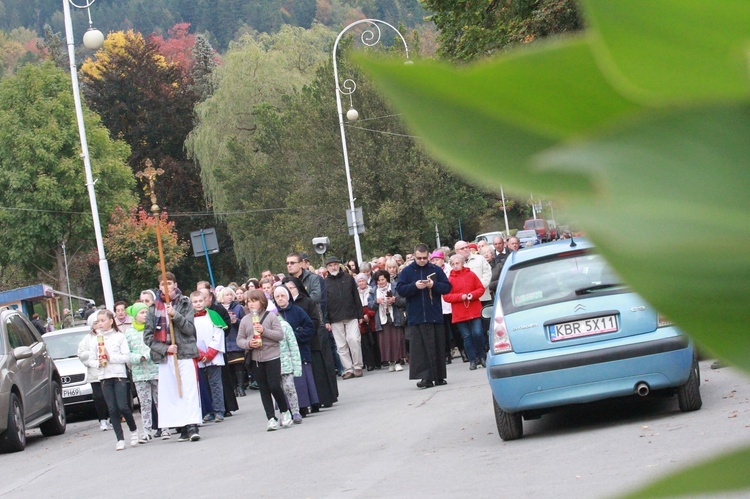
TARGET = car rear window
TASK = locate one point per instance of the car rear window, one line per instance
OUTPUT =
(562, 277)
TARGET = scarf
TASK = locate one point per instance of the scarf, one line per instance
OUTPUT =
(364, 294)
(213, 315)
(161, 319)
(384, 310)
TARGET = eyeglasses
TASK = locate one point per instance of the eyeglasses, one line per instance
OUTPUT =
(292, 263)
(420, 258)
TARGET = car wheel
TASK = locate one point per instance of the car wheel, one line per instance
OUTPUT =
(55, 425)
(689, 394)
(509, 424)
(14, 438)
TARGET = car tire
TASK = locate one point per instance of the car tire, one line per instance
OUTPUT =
(55, 425)
(14, 437)
(689, 394)
(509, 424)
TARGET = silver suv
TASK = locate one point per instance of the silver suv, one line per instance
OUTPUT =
(30, 394)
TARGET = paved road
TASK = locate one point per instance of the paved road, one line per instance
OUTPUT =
(387, 438)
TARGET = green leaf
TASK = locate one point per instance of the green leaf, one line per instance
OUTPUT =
(671, 214)
(673, 50)
(498, 114)
(725, 473)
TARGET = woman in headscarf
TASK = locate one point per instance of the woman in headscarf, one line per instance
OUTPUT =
(304, 330)
(323, 367)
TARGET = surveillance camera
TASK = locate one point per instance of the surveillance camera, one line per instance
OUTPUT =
(321, 244)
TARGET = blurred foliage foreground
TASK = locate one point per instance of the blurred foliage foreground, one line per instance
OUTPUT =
(640, 127)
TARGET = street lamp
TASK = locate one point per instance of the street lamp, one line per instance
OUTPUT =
(369, 37)
(93, 40)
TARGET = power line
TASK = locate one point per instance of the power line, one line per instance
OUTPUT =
(383, 132)
(170, 214)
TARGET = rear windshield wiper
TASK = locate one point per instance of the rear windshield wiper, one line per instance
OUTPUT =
(589, 289)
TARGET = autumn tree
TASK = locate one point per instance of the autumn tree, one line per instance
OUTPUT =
(133, 250)
(148, 101)
(45, 200)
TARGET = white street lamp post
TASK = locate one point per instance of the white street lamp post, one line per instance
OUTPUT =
(369, 37)
(93, 39)
(505, 213)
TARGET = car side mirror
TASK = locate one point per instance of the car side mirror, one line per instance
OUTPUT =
(21, 353)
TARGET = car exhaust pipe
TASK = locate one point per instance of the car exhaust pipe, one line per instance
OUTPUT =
(642, 389)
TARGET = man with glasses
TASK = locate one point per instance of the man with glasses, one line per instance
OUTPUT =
(309, 280)
(423, 284)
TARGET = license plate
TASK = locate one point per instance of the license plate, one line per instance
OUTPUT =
(584, 327)
(71, 392)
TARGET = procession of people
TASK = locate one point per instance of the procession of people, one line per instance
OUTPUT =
(290, 336)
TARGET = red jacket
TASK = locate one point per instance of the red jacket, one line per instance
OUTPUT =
(464, 282)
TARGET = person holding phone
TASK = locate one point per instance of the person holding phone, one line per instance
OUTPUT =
(422, 284)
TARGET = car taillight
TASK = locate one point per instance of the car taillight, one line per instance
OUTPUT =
(500, 338)
(662, 321)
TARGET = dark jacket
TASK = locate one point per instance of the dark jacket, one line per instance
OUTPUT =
(303, 329)
(184, 331)
(38, 325)
(233, 329)
(343, 302)
(399, 308)
(313, 311)
(422, 305)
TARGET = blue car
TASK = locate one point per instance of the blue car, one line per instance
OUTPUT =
(565, 330)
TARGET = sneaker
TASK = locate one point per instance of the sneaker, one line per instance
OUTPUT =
(272, 425)
(286, 419)
(193, 434)
(144, 438)
(209, 417)
(120, 445)
(391, 368)
(219, 417)
(183, 436)
(134, 440)
(399, 367)
(103, 425)
(296, 418)
(358, 373)
(165, 434)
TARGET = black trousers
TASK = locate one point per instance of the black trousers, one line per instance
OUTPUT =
(371, 349)
(268, 376)
(116, 392)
